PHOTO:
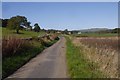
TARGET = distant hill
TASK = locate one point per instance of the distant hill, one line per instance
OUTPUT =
(94, 30)
(100, 30)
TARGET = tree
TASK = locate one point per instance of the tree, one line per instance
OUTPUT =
(116, 30)
(0, 22)
(28, 26)
(66, 31)
(17, 22)
(4, 22)
(36, 27)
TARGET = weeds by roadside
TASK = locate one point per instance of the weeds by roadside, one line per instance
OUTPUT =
(78, 65)
(13, 46)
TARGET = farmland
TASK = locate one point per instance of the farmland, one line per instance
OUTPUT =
(102, 51)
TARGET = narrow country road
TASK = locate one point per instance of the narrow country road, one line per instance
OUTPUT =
(51, 63)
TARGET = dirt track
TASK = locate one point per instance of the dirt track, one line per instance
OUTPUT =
(51, 63)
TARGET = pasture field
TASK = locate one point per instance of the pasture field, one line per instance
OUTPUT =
(23, 33)
(101, 50)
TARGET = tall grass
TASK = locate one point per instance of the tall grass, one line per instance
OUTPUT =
(103, 43)
(78, 65)
(103, 51)
(12, 46)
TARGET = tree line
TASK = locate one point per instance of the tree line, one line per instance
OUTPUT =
(19, 22)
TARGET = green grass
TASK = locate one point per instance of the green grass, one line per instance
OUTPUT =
(23, 33)
(78, 65)
(96, 35)
(12, 63)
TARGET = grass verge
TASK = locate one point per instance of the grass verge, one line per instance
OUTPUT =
(78, 65)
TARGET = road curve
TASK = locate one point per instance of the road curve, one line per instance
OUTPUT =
(51, 63)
